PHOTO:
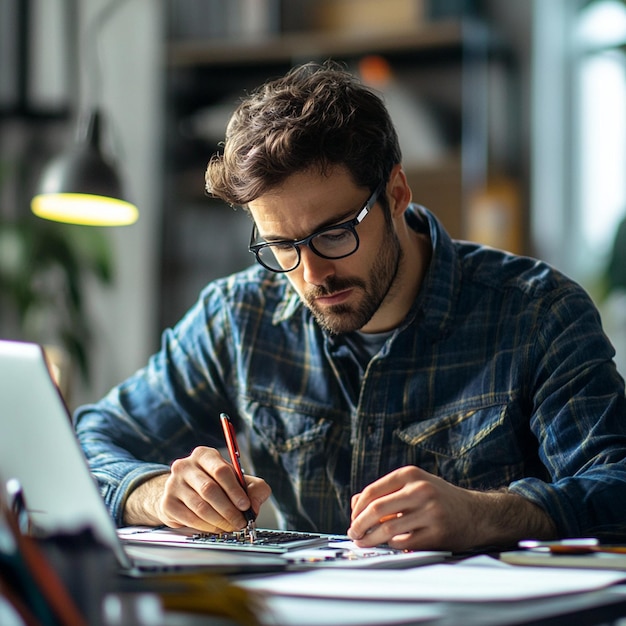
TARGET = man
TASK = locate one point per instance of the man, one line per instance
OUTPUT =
(390, 382)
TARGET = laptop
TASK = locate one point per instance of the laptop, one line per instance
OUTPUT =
(40, 456)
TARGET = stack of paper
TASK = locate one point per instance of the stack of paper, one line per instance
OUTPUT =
(441, 582)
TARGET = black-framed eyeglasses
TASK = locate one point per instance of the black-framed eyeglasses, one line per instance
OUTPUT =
(332, 242)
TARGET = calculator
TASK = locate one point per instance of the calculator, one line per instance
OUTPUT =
(268, 541)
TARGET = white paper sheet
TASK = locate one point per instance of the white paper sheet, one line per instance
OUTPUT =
(444, 582)
(286, 611)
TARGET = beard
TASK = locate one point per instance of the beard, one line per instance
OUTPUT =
(345, 318)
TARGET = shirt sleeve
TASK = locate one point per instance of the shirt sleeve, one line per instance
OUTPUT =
(162, 411)
(579, 418)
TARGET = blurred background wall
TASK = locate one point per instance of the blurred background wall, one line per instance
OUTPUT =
(511, 115)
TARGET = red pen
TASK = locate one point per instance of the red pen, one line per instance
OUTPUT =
(233, 451)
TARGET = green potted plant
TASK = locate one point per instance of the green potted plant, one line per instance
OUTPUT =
(44, 267)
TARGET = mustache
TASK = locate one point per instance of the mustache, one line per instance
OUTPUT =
(333, 285)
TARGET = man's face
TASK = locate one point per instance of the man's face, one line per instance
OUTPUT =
(343, 294)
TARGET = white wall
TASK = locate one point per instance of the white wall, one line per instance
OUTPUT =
(132, 52)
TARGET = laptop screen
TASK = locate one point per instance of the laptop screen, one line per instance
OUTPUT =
(39, 449)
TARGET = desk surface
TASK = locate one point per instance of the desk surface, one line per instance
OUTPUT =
(589, 609)
(523, 599)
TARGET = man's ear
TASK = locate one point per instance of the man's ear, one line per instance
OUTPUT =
(398, 191)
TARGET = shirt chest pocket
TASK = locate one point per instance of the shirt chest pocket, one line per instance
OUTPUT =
(477, 449)
(290, 443)
(290, 449)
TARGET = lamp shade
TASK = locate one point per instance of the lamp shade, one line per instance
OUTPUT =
(80, 187)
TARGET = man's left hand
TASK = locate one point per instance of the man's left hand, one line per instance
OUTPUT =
(410, 509)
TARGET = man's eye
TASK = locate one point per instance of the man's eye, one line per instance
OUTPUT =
(333, 237)
(282, 247)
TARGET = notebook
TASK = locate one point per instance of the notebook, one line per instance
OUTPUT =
(40, 453)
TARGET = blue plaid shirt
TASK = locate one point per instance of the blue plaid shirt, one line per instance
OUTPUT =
(500, 376)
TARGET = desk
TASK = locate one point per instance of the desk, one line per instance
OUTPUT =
(475, 591)
(603, 608)
(597, 608)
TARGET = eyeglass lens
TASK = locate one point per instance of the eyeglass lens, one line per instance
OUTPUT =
(331, 244)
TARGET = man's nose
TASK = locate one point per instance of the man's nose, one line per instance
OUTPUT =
(315, 268)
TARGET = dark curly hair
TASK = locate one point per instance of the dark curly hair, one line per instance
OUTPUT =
(316, 116)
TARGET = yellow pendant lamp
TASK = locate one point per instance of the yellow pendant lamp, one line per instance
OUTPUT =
(80, 186)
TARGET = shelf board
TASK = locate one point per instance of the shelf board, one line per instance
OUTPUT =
(189, 183)
(294, 46)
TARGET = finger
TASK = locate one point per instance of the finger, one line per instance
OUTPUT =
(222, 471)
(258, 492)
(421, 536)
(204, 492)
(370, 526)
(208, 501)
(224, 509)
(370, 494)
(412, 540)
(385, 511)
(375, 515)
(182, 505)
(176, 514)
(388, 484)
(195, 496)
(354, 505)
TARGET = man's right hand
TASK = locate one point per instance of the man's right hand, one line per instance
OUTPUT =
(201, 491)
